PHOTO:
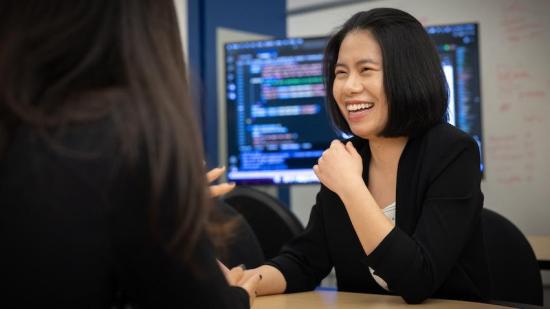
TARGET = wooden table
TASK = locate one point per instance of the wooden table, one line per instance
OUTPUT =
(343, 300)
(541, 246)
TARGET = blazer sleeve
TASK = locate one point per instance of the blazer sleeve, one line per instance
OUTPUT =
(305, 260)
(415, 266)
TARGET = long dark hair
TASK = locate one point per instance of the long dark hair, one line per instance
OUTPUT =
(126, 55)
(414, 82)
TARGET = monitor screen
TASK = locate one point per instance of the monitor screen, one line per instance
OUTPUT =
(277, 126)
(458, 49)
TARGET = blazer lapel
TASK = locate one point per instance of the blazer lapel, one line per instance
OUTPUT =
(406, 208)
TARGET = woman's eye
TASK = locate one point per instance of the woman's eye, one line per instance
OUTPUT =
(339, 73)
(365, 69)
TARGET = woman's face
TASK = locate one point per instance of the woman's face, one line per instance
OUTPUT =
(358, 86)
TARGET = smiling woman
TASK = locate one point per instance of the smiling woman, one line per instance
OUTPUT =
(358, 85)
(411, 79)
(400, 202)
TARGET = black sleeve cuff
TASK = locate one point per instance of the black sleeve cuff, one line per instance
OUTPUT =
(295, 280)
(391, 259)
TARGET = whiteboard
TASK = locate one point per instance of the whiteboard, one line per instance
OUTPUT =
(514, 40)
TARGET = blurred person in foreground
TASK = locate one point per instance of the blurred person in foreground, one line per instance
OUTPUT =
(103, 197)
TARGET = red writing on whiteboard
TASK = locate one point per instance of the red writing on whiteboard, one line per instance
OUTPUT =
(517, 27)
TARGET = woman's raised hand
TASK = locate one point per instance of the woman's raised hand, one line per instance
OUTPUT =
(340, 167)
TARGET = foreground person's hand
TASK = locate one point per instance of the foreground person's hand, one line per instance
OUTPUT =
(219, 189)
(236, 277)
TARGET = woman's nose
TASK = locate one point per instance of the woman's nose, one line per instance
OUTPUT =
(353, 84)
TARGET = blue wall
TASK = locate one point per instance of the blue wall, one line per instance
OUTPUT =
(264, 17)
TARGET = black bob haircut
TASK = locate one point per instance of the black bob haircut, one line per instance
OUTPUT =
(414, 83)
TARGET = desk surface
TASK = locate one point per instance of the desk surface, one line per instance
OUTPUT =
(342, 300)
(541, 246)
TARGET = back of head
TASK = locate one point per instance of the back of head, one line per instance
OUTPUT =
(70, 62)
(414, 82)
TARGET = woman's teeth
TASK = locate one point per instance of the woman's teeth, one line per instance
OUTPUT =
(358, 107)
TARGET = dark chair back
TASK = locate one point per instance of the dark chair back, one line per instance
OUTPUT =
(242, 247)
(272, 222)
(513, 267)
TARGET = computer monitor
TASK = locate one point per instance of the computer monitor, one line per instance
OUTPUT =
(458, 48)
(277, 126)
